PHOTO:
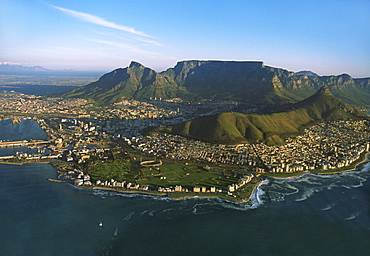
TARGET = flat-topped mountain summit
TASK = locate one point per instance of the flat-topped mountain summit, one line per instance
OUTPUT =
(246, 81)
(272, 128)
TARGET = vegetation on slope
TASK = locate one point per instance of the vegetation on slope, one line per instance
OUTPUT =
(247, 81)
(135, 81)
(270, 128)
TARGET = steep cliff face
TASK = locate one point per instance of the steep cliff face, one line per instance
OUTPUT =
(242, 81)
(135, 81)
(248, 81)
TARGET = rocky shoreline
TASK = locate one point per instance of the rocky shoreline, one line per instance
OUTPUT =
(178, 196)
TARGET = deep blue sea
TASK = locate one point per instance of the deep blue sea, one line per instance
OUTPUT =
(309, 215)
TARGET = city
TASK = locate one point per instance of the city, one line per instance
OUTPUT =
(81, 133)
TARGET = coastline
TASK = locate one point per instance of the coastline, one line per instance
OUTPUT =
(254, 191)
(26, 162)
(11, 163)
(178, 196)
(363, 159)
(152, 193)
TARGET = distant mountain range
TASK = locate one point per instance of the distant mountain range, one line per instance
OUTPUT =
(272, 128)
(15, 69)
(246, 81)
(11, 67)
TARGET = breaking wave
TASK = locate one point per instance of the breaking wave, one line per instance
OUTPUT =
(328, 207)
(303, 187)
(294, 190)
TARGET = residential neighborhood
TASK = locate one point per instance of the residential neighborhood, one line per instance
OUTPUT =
(323, 146)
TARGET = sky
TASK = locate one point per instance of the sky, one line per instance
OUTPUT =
(327, 37)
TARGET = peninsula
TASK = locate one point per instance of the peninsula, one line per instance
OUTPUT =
(179, 148)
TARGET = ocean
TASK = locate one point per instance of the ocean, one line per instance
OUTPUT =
(308, 215)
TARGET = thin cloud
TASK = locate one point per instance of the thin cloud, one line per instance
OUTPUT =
(122, 46)
(100, 21)
(148, 41)
(133, 37)
(131, 49)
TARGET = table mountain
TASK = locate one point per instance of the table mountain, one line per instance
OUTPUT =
(247, 81)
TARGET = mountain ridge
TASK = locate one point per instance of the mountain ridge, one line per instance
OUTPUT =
(245, 81)
(16, 67)
(231, 127)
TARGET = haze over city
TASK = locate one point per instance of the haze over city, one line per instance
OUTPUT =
(326, 37)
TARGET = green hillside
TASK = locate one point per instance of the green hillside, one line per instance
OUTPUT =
(270, 128)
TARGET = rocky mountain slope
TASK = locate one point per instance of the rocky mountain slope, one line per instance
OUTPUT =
(247, 81)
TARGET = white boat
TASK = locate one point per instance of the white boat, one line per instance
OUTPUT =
(100, 224)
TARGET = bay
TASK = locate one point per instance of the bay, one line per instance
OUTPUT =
(27, 129)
